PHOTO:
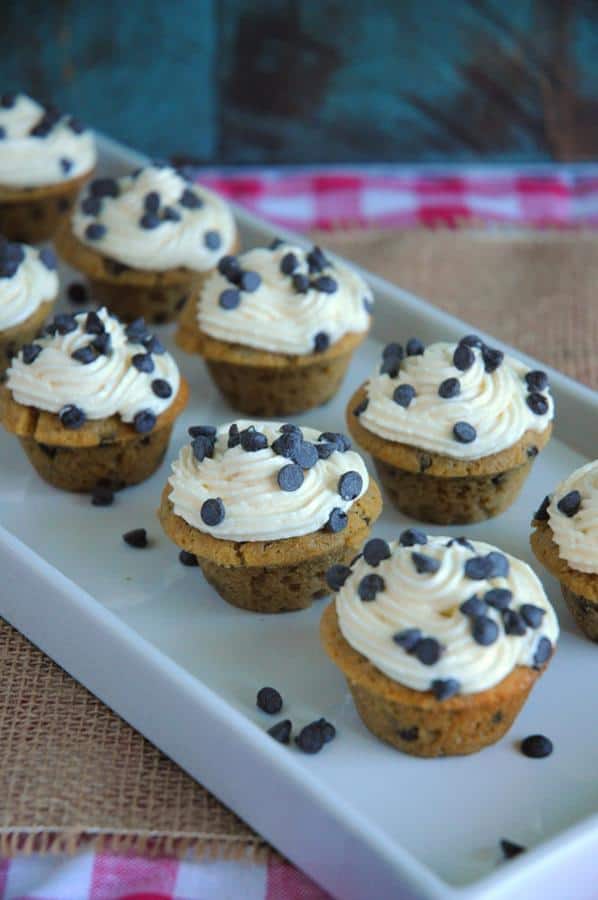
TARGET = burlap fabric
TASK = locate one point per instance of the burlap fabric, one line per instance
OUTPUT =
(70, 770)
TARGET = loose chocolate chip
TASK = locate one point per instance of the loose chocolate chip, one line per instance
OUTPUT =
(337, 520)
(71, 416)
(269, 700)
(463, 357)
(136, 538)
(250, 282)
(212, 511)
(536, 380)
(361, 407)
(281, 732)
(414, 347)
(102, 495)
(464, 432)
(350, 485)
(310, 738)
(161, 388)
(95, 231)
(136, 331)
(104, 187)
(536, 746)
(569, 504)
(143, 362)
(443, 688)
(170, 214)
(336, 576)
(408, 639)
(301, 283)
(403, 395)
(532, 614)
(450, 387)
(93, 324)
(513, 623)
(327, 728)
(288, 263)
(409, 734)
(230, 267)
(306, 455)
(537, 403)
(425, 565)
(541, 514)
(30, 352)
(102, 343)
(368, 305)
(369, 586)
(212, 240)
(510, 849)
(412, 536)
(153, 345)
(428, 651)
(341, 440)
(472, 340)
(190, 200)
(375, 551)
(252, 441)
(290, 477)
(234, 438)
(91, 205)
(149, 221)
(321, 342)
(484, 630)
(77, 293)
(151, 202)
(473, 607)
(48, 257)
(543, 651)
(498, 598)
(229, 298)
(84, 355)
(492, 359)
(325, 284)
(188, 559)
(202, 447)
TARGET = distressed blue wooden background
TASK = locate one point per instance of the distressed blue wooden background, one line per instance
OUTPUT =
(303, 81)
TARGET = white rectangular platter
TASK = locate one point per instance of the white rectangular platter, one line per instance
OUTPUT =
(152, 640)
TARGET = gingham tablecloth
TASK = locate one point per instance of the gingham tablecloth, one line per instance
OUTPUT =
(309, 199)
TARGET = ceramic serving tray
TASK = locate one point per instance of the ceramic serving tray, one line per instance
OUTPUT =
(152, 640)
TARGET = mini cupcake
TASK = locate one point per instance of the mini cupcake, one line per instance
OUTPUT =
(45, 157)
(28, 289)
(146, 240)
(565, 540)
(277, 327)
(267, 508)
(440, 640)
(453, 428)
(93, 402)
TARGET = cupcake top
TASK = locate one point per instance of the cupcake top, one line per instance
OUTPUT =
(284, 299)
(90, 366)
(464, 400)
(441, 614)
(572, 512)
(155, 219)
(27, 279)
(263, 481)
(39, 145)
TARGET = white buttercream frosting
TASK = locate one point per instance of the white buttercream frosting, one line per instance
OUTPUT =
(26, 160)
(277, 317)
(495, 403)
(576, 536)
(195, 238)
(21, 294)
(430, 603)
(110, 385)
(255, 506)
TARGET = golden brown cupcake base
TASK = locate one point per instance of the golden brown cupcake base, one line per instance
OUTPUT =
(260, 383)
(273, 576)
(444, 490)
(579, 589)
(12, 339)
(32, 215)
(415, 722)
(131, 293)
(101, 451)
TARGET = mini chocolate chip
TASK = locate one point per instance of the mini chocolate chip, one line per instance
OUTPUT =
(461, 541)
(532, 614)
(403, 395)
(414, 347)
(321, 342)
(484, 630)
(316, 260)
(230, 267)
(369, 586)
(151, 202)
(498, 564)
(71, 416)
(84, 355)
(66, 164)
(325, 284)
(450, 387)
(212, 511)
(443, 688)
(425, 565)
(350, 485)
(325, 450)
(287, 445)
(537, 403)
(513, 622)
(361, 407)
(212, 240)
(234, 437)
(281, 732)
(337, 520)
(48, 258)
(2, 133)
(91, 205)
(269, 700)
(170, 214)
(290, 477)
(8, 100)
(104, 187)
(473, 607)
(188, 559)
(102, 343)
(368, 305)
(144, 421)
(136, 331)
(543, 651)
(463, 357)
(375, 551)
(153, 345)
(75, 124)
(393, 351)
(536, 746)
(209, 431)
(77, 293)
(161, 388)
(536, 380)
(65, 323)
(477, 568)
(428, 651)
(287, 428)
(327, 728)
(143, 362)
(306, 455)
(336, 576)
(252, 441)
(288, 263)
(310, 738)
(250, 282)
(93, 324)
(510, 849)
(472, 340)
(102, 495)
(341, 440)
(391, 366)
(492, 359)
(190, 200)
(30, 352)
(229, 298)
(569, 504)
(136, 538)
(408, 639)
(464, 432)
(202, 446)
(301, 283)
(95, 231)
(498, 598)
(412, 536)
(275, 244)
(541, 514)
(150, 220)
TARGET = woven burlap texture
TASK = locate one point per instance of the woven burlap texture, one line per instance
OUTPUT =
(71, 770)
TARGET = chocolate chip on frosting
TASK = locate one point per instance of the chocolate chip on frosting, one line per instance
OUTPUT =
(290, 477)
(144, 421)
(249, 281)
(428, 651)
(288, 263)
(212, 511)
(532, 615)
(306, 455)
(65, 323)
(375, 551)
(321, 342)
(84, 355)
(484, 630)
(252, 440)
(463, 357)
(316, 260)
(543, 652)
(170, 214)
(537, 403)
(202, 446)
(411, 537)
(143, 362)
(337, 520)
(325, 284)
(425, 565)
(368, 305)
(95, 231)
(536, 380)
(71, 416)
(229, 298)
(93, 324)
(498, 598)
(150, 220)
(513, 622)
(492, 358)
(414, 347)
(569, 504)
(369, 586)
(91, 205)
(190, 200)
(443, 688)
(136, 331)
(450, 387)
(403, 395)
(340, 440)
(464, 433)
(212, 240)
(474, 606)
(153, 345)
(234, 437)
(301, 283)
(30, 352)
(361, 407)
(230, 267)
(408, 639)
(350, 485)
(48, 258)
(104, 187)
(336, 576)
(161, 388)
(209, 431)
(151, 202)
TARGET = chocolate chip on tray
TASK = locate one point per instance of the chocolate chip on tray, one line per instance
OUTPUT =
(137, 538)
(102, 495)
(188, 559)
(510, 849)
(269, 700)
(281, 732)
(536, 746)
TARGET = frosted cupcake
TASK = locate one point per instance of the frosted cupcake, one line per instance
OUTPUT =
(440, 640)
(146, 240)
(277, 327)
(93, 402)
(453, 428)
(267, 508)
(45, 157)
(565, 540)
(28, 289)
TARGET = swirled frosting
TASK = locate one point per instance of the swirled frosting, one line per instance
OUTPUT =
(575, 524)
(51, 378)
(425, 400)
(295, 302)
(33, 282)
(39, 146)
(247, 482)
(418, 602)
(155, 219)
